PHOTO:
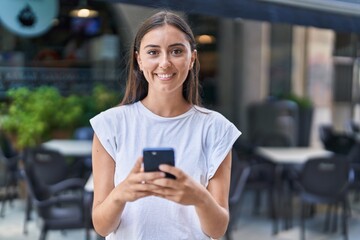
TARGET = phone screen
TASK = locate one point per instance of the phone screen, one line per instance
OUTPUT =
(153, 157)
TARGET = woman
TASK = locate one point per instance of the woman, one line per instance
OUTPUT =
(161, 109)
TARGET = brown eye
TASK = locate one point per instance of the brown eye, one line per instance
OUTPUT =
(176, 52)
(152, 52)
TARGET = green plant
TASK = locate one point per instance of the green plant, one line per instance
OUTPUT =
(33, 114)
(100, 99)
(302, 102)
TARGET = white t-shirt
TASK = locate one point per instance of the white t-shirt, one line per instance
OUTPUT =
(201, 138)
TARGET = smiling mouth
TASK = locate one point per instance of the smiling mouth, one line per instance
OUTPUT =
(165, 76)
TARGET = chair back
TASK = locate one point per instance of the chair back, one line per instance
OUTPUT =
(352, 127)
(49, 166)
(337, 142)
(326, 176)
(6, 147)
(354, 154)
(84, 133)
(44, 167)
(325, 132)
(59, 200)
(8, 154)
(9, 159)
(3, 169)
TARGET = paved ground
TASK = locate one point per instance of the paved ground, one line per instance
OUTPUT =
(249, 227)
(252, 227)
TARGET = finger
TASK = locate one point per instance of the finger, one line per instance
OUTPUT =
(137, 165)
(146, 187)
(163, 191)
(149, 176)
(172, 170)
(167, 183)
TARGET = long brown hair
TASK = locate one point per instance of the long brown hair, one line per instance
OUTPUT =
(137, 86)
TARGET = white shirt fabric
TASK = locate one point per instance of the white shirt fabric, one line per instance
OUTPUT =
(201, 138)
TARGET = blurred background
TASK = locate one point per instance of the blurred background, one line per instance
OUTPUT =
(280, 70)
(250, 51)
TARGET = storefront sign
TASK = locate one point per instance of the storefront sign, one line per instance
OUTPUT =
(28, 18)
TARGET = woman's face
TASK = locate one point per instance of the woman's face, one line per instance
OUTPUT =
(165, 58)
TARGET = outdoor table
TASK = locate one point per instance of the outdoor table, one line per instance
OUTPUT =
(283, 158)
(89, 186)
(70, 147)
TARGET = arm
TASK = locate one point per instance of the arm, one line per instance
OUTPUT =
(107, 209)
(109, 200)
(213, 211)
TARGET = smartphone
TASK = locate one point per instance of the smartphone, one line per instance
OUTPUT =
(153, 157)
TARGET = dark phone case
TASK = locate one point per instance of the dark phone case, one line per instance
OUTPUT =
(153, 157)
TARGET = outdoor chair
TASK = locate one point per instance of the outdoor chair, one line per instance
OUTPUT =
(84, 133)
(9, 172)
(354, 160)
(240, 172)
(324, 180)
(337, 142)
(262, 175)
(352, 127)
(60, 202)
(83, 165)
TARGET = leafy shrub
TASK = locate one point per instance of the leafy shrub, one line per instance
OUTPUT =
(33, 114)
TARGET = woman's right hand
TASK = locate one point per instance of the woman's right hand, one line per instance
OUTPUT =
(136, 184)
(109, 200)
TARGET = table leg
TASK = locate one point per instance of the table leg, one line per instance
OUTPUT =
(277, 198)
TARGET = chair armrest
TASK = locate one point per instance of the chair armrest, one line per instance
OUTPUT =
(68, 184)
(60, 199)
(240, 185)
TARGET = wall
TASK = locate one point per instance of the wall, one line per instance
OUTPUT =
(318, 82)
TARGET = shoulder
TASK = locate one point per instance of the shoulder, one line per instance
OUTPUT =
(211, 116)
(114, 114)
(118, 110)
(216, 123)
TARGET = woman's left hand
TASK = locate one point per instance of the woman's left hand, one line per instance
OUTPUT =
(183, 189)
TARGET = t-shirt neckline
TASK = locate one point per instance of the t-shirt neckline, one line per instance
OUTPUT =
(149, 113)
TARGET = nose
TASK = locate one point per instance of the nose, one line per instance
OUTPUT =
(165, 62)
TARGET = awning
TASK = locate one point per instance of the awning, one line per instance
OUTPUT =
(339, 15)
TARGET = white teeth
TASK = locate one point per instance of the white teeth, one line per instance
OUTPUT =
(164, 75)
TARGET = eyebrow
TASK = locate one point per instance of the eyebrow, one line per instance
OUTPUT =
(157, 46)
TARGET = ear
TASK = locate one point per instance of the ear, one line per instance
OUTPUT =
(193, 58)
(138, 59)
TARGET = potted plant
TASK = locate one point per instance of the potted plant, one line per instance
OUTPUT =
(33, 115)
(306, 110)
(100, 99)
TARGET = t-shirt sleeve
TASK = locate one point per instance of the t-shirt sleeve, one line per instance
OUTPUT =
(224, 136)
(104, 130)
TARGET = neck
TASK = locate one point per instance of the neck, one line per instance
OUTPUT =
(166, 106)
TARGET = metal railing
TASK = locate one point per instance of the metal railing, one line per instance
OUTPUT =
(67, 80)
